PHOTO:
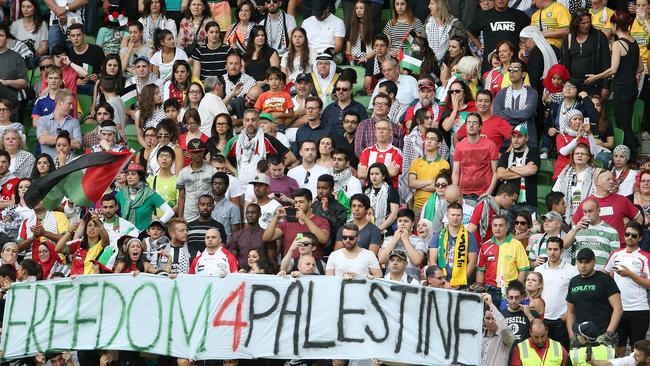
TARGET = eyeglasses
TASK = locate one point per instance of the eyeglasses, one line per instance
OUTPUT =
(272, 1)
(631, 235)
(380, 104)
(455, 91)
(514, 69)
(43, 67)
(441, 185)
(4, 110)
(521, 223)
(150, 135)
(342, 89)
(222, 123)
(348, 237)
(195, 92)
(163, 135)
(307, 178)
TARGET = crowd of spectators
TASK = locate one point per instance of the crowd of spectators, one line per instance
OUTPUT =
(493, 146)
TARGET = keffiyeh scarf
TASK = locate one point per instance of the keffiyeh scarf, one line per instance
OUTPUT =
(379, 201)
(522, 180)
(341, 179)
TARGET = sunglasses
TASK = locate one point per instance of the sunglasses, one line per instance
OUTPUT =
(347, 237)
(272, 1)
(513, 69)
(521, 223)
(342, 89)
(44, 67)
(455, 91)
(631, 235)
(441, 185)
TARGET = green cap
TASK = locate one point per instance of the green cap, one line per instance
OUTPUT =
(520, 129)
(268, 116)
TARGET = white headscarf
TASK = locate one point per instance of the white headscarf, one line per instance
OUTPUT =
(547, 51)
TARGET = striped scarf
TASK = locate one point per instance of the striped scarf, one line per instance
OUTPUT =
(522, 180)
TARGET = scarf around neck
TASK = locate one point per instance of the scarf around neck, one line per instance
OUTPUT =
(520, 103)
(461, 251)
(379, 201)
(249, 152)
(142, 193)
(341, 179)
(522, 180)
(490, 203)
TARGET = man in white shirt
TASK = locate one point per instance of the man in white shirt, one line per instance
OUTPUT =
(308, 172)
(215, 260)
(556, 274)
(629, 267)
(324, 31)
(352, 260)
(268, 206)
(396, 269)
(639, 357)
(407, 86)
(211, 105)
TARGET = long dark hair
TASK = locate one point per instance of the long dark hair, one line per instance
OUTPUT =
(159, 36)
(575, 20)
(139, 263)
(304, 52)
(188, 82)
(186, 101)
(17, 197)
(38, 19)
(49, 160)
(368, 24)
(265, 52)
(468, 93)
(146, 103)
(213, 129)
(409, 14)
(119, 77)
(384, 171)
(147, 8)
(603, 122)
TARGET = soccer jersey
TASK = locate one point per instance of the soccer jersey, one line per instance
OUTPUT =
(502, 262)
(391, 155)
(601, 238)
(601, 19)
(219, 263)
(640, 35)
(633, 296)
(553, 17)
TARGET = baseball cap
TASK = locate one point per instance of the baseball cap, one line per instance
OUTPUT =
(586, 329)
(426, 84)
(196, 145)
(303, 77)
(157, 223)
(141, 58)
(586, 253)
(134, 167)
(397, 253)
(552, 215)
(267, 116)
(261, 178)
(520, 129)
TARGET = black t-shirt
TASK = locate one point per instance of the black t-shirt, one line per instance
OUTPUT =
(518, 324)
(94, 57)
(609, 130)
(531, 181)
(370, 69)
(213, 61)
(196, 235)
(590, 298)
(498, 26)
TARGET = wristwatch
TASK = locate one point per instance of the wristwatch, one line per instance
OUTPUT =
(67, 8)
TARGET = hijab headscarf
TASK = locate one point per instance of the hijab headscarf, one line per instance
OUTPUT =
(562, 71)
(51, 262)
(542, 44)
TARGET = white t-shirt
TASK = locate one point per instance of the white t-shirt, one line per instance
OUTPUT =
(267, 213)
(407, 90)
(211, 105)
(633, 296)
(22, 34)
(284, 62)
(623, 361)
(322, 34)
(361, 264)
(556, 285)
(165, 69)
(626, 187)
(299, 173)
(235, 188)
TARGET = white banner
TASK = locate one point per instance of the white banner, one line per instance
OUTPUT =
(245, 316)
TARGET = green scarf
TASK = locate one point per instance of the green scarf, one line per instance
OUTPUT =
(128, 211)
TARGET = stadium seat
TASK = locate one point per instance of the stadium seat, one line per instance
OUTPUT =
(84, 103)
(132, 136)
(618, 136)
(542, 191)
(637, 116)
(545, 174)
(364, 100)
(361, 73)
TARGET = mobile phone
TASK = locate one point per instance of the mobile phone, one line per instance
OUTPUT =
(291, 214)
(299, 236)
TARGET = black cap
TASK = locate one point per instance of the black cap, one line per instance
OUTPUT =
(586, 329)
(304, 77)
(586, 253)
(398, 253)
(196, 145)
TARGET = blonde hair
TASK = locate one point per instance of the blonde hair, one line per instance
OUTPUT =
(22, 146)
(444, 12)
(541, 284)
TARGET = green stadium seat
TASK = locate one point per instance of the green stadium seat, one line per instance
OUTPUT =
(132, 136)
(545, 174)
(361, 73)
(87, 127)
(618, 136)
(364, 100)
(542, 191)
(85, 102)
(90, 39)
(637, 116)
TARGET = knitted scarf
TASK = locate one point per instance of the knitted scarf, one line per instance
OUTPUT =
(341, 179)
(521, 102)
(379, 201)
(461, 251)
(522, 180)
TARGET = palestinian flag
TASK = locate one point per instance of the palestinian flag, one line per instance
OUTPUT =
(83, 180)
(410, 57)
(129, 95)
